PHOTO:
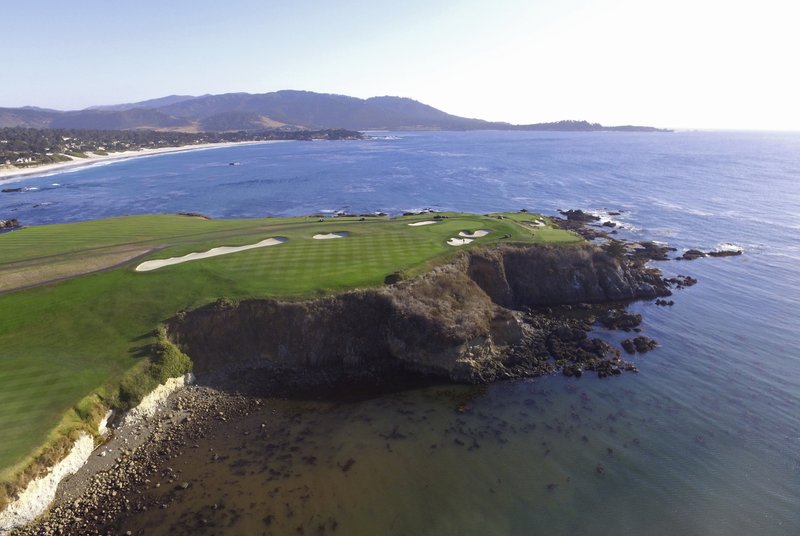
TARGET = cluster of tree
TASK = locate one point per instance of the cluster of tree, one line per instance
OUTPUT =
(32, 146)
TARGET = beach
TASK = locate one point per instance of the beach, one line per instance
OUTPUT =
(7, 173)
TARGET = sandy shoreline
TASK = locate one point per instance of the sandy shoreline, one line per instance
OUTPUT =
(46, 169)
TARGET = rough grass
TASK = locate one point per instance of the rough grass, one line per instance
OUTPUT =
(62, 342)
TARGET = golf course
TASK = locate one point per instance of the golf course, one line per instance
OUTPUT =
(80, 303)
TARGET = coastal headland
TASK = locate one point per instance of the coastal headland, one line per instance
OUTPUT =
(88, 333)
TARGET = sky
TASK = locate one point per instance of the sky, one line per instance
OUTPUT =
(680, 63)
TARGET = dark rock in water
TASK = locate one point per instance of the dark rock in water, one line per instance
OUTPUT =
(600, 469)
(11, 190)
(652, 251)
(725, 253)
(609, 224)
(347, 465)
(617, 319)
(629, 346)
(682, 281)
(665, 303)
(692, 254)
(579, 215)
(614, 213)
(644, 344)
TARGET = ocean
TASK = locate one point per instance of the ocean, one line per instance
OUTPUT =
(704, 440)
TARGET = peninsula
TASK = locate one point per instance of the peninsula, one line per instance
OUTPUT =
(460, 297)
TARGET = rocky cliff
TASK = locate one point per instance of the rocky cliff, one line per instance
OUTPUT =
(468, 320)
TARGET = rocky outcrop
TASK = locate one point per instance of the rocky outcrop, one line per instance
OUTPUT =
(7, 225)
(693, 254)
(544, 277)
(463, 320)
(579, 215)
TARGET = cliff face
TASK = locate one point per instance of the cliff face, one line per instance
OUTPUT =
(460, 320)
(543, 277)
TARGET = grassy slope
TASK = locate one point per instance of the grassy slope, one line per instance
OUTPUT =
(60, 342)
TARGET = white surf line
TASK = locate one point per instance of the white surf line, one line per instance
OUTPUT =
(215, 252)
(459, 241)
(477, 234)
(417, 224)
(328, 236)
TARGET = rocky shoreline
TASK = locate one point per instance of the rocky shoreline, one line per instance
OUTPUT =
(98, 504)
(501, 313)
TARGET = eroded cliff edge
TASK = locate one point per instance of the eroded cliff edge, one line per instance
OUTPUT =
(476, 319)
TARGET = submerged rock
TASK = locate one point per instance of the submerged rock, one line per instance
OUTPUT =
(618, 319)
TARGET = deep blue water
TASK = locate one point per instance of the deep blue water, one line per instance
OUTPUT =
(714, 412)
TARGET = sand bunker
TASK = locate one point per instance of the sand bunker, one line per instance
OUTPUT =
(459, 241)
(477, 234)
(215, 252)
(328, 236)
(417, 224)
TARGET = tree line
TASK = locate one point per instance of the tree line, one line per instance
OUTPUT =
(32, 146)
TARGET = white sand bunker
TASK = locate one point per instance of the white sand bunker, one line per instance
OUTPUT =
(417, 224)
(535, 223)
(215, 252)
(477, 234)
(459, 241)
(329, 236)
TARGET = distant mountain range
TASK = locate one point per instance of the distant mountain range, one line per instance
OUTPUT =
(277, 110)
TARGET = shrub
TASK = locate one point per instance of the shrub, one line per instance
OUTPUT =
(134, 387)
(169, 361)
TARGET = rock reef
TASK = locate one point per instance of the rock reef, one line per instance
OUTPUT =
(7, 225)
(487, 315)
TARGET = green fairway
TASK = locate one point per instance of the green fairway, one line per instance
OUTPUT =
(60, 342)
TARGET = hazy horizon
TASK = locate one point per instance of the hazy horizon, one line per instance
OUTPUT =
(706, 64)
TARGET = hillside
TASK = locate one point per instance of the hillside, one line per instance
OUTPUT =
(279, 109)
